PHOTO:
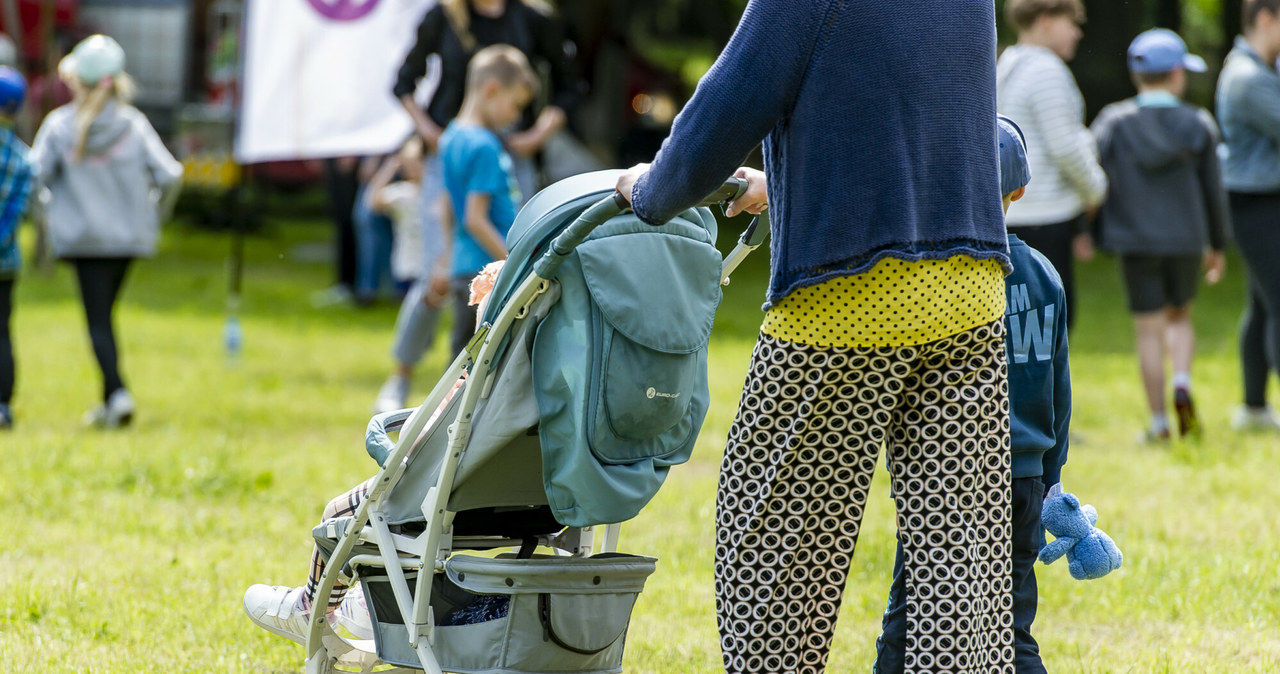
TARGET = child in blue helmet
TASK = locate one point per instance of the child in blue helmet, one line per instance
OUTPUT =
(15, 189)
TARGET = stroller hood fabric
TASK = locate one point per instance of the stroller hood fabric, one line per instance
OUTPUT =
(620, 364)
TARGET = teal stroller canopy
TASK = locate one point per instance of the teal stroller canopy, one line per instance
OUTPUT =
(619, 363)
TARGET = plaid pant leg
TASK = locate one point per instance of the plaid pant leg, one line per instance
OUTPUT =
(344, 505)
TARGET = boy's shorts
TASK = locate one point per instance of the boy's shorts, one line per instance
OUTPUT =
(1155, 282)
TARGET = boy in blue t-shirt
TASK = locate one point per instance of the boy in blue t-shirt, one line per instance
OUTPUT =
(477, 172)
(1039, 421)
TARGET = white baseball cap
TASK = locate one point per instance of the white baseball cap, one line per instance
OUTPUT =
(96, 57)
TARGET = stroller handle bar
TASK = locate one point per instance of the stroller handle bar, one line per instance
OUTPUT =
(606, 208)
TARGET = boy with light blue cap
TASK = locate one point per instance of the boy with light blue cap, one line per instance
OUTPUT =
(1039, 418)
(1165, 214)
(1160, 51)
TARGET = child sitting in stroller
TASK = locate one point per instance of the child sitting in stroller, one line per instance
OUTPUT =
(286, 611)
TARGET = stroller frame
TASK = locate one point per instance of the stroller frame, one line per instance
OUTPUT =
(426, 553)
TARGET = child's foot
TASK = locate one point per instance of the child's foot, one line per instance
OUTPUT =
(1188, 424)
(279, 610)
(353, 614)
(115, 413)
(1154, 435)
(392, 395)
(1252, 419)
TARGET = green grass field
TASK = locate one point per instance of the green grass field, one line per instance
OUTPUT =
(129, 551)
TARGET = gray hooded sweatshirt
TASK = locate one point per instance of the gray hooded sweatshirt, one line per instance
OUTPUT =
(1165, 193)
(106, 204)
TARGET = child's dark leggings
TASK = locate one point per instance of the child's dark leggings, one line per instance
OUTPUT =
(6, 343)
(100, 281)
(1028, 498)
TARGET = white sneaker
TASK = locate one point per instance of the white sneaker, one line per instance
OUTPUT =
(392, 396)
(278, 610)
(116, 412)
(353, 614)
(1248, 418)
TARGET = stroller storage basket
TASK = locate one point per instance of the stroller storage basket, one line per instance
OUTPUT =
(553, 614)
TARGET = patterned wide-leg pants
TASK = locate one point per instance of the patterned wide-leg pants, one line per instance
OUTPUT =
(794, 482)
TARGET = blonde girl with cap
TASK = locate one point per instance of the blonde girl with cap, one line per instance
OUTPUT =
(110, 179)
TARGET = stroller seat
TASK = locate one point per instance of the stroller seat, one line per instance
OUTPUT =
(579, 395)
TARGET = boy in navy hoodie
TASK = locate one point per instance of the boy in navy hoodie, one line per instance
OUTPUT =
(1039, 419)
(1165, 214)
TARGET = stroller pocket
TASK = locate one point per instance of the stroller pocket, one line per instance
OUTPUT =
(642, 398)
(620, 367)
(562, 614)
(651, 325)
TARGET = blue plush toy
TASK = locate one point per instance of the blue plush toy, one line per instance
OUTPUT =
(1090, 552)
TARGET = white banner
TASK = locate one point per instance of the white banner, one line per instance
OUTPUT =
(317, 77)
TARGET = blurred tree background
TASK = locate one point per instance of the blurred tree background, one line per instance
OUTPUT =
(1208, 26)
(632, 50)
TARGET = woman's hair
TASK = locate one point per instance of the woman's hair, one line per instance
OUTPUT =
(503, 64)
(1023, 13)
(1250, 9)
(92, 99)
(459, 15)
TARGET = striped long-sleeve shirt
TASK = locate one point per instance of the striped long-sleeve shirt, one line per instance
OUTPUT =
(1036, 90)
(15, 188)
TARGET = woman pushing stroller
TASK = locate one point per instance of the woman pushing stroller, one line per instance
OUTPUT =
(882, 323)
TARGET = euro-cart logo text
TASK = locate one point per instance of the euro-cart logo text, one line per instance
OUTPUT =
(654, 393)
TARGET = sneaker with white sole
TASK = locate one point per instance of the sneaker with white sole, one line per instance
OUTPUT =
(278, 610)
(393, 395)
(1253, 419)
(1154, 436)
(115, 413)
(353, 614)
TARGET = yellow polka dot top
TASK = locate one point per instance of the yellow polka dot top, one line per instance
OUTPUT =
(895, 303)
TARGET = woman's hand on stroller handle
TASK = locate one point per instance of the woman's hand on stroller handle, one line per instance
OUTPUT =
(746, 191)
(626, 182)
(755, 198)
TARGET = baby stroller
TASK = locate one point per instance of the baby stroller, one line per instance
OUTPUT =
(585, 382)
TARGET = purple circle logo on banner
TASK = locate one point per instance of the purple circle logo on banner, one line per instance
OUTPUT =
(343, 10)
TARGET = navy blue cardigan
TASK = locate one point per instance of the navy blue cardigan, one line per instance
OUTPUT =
(878, 120)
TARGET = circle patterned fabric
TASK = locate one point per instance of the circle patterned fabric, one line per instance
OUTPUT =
(794, 481)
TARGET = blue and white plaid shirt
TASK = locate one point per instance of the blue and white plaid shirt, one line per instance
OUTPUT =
(16, 183)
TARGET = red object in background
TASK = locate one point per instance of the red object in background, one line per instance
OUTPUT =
(38, 93)
(289, 174)
(29, 13)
